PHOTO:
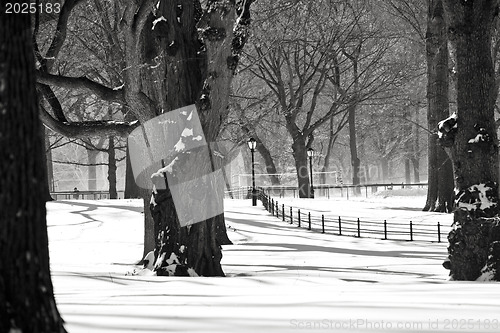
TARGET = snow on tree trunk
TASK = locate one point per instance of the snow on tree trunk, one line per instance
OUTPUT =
(26, 293)
(471, 133)
(191, 71)
(440, 171)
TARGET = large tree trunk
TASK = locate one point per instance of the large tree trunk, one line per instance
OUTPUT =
(440, 172)
(407, 171)
(113, 194)
(355, 162)
(132, 191)
(268, 160)
(415, 162)
(26, 293)
(92, 169)
(474, 248)
(384, 169)
(332, 137)
(49, 165)
(301, 166)
(179, 61)
(415, 159)
(351, 120)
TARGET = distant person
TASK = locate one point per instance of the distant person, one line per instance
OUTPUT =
(76, 193)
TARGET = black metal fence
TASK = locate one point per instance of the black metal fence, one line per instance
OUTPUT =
(347, 191)
(244, 192)
(83, 195)
(387, 230)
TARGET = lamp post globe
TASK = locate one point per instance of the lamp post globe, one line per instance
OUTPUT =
(252, 143)
(310, 154)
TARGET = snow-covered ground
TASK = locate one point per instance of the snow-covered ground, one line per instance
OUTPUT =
(279, 278)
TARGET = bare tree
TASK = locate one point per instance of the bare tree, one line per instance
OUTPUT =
(474, 249)
(174, 54)
(26, 291)
(320, 63)
(440, 189)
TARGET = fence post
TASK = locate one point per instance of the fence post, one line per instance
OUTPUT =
(411, 231)
(277, 210)
(291, 216)
(272, 207)
(385, 229)
(439, 232)
(299, 217)
(283, 212)
(309, 228)
(340, 226)
(359, 228)
(322, 223)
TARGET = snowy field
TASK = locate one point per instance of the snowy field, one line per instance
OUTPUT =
(279, 278)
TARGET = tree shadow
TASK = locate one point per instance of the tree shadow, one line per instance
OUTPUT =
(94, 206)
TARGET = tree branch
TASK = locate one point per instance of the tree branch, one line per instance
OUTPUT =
(104, 93)
(87, 129)
(81, 164)
(59, 35)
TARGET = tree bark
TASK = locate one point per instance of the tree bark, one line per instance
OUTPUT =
(92, 169)
(440, 172)
(332, 137)
(132, 191)
(48, 165)
(26, 292)
(192, 73)
(301, 166)
(268, 160)
(113, 194)
(353, 145)
(384, 169)
(407, 171)
(475, 237)
(415, 162)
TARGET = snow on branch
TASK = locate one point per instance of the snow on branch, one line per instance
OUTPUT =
(88, 128)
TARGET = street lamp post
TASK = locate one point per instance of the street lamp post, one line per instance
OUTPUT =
(310, 154)
(252, 143)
